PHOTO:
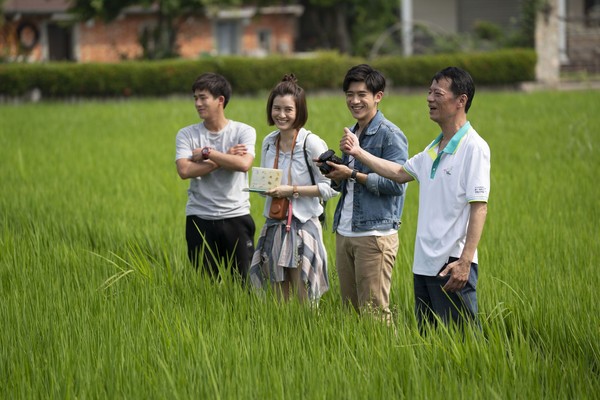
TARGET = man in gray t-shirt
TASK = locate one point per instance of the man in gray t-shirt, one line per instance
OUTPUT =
(215, 155)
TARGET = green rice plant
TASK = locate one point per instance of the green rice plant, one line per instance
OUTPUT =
(98, 300)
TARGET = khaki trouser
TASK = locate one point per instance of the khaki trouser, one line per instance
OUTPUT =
(364, 267)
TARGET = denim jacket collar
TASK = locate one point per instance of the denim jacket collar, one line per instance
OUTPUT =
(373, 125)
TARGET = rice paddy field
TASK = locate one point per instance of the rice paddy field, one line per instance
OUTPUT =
(97, 300)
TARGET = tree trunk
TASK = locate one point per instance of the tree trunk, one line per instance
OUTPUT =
(324, 27)
(341, 28)
(547, 69)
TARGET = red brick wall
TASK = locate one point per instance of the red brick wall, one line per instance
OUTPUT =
(283, 32)
(195, 37)
(116, 41)
(99, 42)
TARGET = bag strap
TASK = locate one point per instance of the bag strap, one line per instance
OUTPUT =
(276, 162)
(312, 176)
(312, 179)
(275, 165)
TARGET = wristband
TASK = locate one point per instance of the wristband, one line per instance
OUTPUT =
(205, 153)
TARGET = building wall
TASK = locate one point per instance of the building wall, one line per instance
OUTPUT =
(9, 42)
(575, 8)
(501, 12)
(455, 16)
(283, 32)
(195, 37)
(583, 39)
(96, 41)
(441, 14)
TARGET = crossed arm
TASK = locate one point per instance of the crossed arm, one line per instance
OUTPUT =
(236, 159)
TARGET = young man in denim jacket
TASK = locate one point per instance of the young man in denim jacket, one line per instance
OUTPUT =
(367, 217)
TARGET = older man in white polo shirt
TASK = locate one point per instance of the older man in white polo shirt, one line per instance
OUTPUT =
(454, 184)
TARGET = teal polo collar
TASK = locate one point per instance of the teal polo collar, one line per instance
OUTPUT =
(450, 148)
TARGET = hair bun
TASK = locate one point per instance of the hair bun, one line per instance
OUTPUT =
(290, 78)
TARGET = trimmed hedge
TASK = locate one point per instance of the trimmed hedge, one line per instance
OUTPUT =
(251, 75)
(504, 67)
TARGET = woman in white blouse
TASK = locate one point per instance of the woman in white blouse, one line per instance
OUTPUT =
(290, 256)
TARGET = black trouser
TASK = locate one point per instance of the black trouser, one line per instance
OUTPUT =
(431, 299)
(224, 241)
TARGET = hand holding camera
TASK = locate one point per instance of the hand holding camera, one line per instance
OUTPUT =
(329, 155)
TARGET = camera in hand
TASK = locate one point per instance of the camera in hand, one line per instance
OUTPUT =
(329, 155)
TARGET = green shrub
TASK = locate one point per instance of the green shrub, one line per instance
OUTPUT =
(325, 71)
(494, 68)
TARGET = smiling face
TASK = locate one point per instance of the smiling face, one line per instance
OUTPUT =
(283, 112)
(444, 106)
(208, 106)
(361, 102)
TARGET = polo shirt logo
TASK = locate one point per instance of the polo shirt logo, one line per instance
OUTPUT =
(448, 171)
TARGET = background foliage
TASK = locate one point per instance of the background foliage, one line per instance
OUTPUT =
(250, 75)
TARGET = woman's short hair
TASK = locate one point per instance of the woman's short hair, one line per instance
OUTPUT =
(288, 86)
